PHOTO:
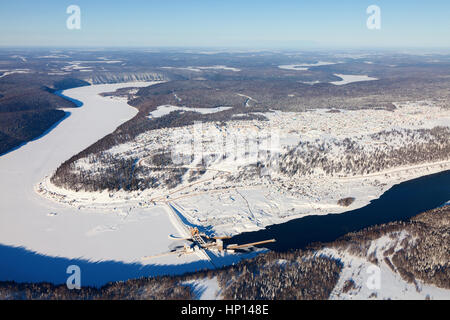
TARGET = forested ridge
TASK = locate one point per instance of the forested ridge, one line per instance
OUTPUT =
(28, 107)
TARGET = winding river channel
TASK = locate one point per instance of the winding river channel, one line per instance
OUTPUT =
(40, 238)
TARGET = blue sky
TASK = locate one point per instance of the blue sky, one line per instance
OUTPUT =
(227, 23)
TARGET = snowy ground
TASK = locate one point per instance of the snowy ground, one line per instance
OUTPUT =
(231, 207)
(378, 282)
(205, 289)
(33, 222)
(349, 78)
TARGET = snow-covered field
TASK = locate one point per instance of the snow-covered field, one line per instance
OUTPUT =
(33, 222)
(231, 206)
(205, 289)
(349, 78)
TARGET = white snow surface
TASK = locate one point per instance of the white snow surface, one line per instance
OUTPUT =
(391, 285)
(349, 78)
(206, 289)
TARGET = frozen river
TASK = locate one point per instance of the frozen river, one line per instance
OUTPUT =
(34, 230)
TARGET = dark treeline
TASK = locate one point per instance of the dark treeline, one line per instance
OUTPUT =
(17, 128)
(28, 107)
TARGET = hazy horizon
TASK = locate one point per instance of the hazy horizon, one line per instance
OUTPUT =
(254, 24)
